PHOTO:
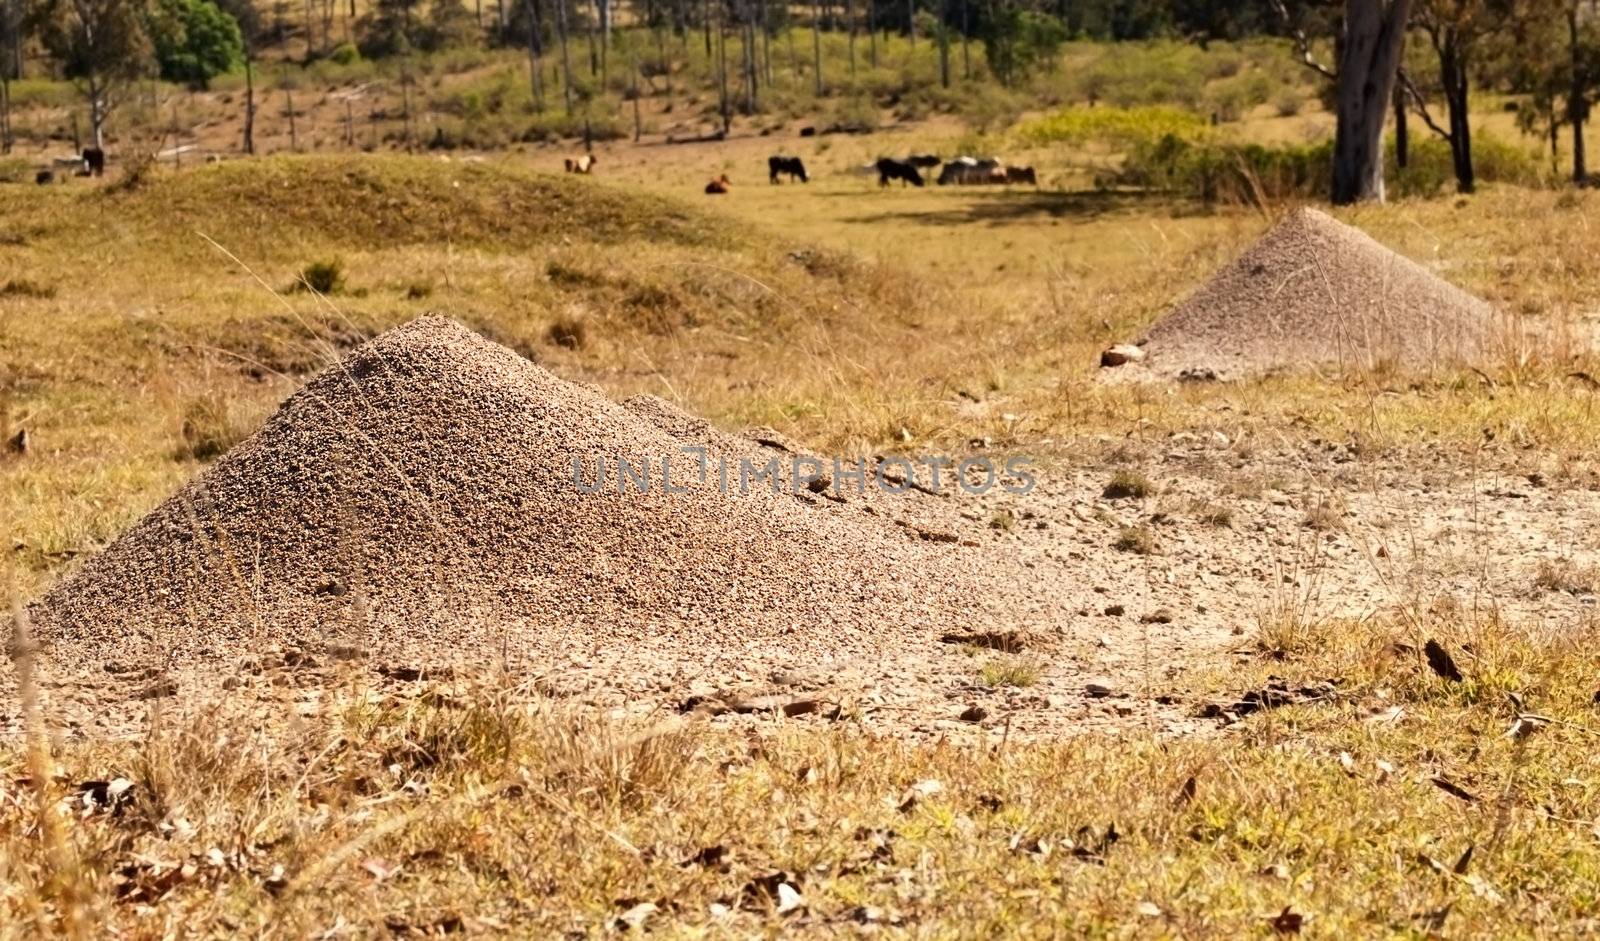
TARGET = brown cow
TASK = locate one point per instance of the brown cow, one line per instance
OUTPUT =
(718, 186)
(581, 164)
(1021, 175)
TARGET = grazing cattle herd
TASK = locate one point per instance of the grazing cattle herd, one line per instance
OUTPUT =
(779, 163)
(903, 170)
(958, 171)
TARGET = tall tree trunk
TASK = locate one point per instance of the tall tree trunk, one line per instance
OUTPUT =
(566, 54)
(911, 21)
(1577, 98)
(249, 100)
(1374, 35)
(589, 33)
(535, 66)
(966, 30)
(752, 58)
(872, 33)
(1402, 131)
(722, 73)
(97, 113)
(766, 40)
(5, 112)
(1457, 88)
(850, 17)
(816, 41)
(944, 52)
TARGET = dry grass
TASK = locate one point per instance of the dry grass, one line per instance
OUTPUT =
(472, 806)
(478, 805)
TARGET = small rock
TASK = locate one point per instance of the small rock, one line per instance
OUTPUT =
(1115, 610)
(974, 714)
(1121, 355)
(1099, 689)
(1158, 616)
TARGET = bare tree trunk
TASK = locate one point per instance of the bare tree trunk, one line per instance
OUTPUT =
(911, 22)
(872, 33)
(751, 58)
(5, 112)
(1402, 131)
(966, 53)
(288, 99)
(1457, 89)
(816, 40)
(1577, 98)
(535, 64)
(97, 114)
(944, 51)
(722, 72)
(850, 15)
(633, 82)
(1374, 35)
(249, 101)
(566, 53)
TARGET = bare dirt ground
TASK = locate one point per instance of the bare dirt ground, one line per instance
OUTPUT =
(1138, 597)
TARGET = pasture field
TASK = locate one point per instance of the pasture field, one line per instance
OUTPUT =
(1285, 753)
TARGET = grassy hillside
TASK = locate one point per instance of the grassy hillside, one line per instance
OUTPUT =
(148, 327)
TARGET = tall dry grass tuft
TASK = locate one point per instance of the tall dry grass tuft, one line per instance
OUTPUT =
(66, 886)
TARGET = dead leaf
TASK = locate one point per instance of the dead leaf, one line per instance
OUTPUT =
(1149, 909)
(1347, 763)
(1460, 868)
(789, 899)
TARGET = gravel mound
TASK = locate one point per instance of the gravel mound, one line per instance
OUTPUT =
(1316, 292)
(419, 499)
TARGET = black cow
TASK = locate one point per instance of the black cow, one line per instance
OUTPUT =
(892, 169)
(94, 161)
(790, 165)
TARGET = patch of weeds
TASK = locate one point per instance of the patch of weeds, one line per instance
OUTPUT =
(1128, 483)
(22, 287)
(570, 276)
(210, 429)
(1564, 574)
(1140, 539)
(1212, 513)
(1003, 520)
(568, 332)
(1019, 672)
(418, 290)
(1327, 514)
(323, 277)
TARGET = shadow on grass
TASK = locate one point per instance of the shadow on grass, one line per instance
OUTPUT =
(1001, 207)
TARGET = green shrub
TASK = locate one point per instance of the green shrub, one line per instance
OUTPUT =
(345, 54)
(1118, 127)
(323, 277)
